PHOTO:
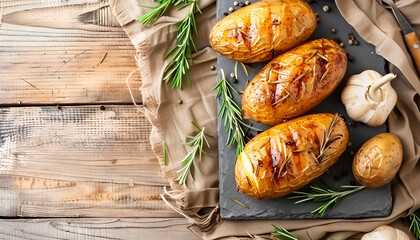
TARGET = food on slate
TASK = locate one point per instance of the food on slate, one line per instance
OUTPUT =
(378, 160)
(369, 97)
(294, 82)
(290, 155)
(262, 30)
(386, 233)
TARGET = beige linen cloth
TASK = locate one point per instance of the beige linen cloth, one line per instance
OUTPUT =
(171, 120)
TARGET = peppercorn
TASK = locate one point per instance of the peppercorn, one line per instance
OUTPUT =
(236, 3)
(225, 13)
(326, 8)
(212, 67)
(231, 9)
(333, 30)
(180, 101)
(102, 107)
(247, 3)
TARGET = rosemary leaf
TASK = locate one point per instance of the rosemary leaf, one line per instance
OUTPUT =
(414, 221)
(196, 143)
(282, 233)
(328, 197)
(164, 154)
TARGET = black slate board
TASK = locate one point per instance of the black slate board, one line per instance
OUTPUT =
(366, 203)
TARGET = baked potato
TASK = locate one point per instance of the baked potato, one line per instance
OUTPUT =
(263, 30)
(294, 82)
(378, 160)
(290, 155)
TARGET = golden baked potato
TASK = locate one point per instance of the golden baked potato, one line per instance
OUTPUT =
(262, 30)
(294, 82)
(378, 160)
(290, 155)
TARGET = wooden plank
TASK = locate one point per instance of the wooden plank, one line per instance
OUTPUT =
(63, 52)
(78, 161)
(88, 228)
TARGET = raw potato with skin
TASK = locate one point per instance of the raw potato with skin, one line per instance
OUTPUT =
(378, 160)
(290, 155)
(294, 82)
(262, 30)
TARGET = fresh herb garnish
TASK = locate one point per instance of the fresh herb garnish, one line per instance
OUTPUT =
(414, 221)
(232, 115)
(328, 197)
(164, 154)
(197, 143)
(283, 234)
(180, 54)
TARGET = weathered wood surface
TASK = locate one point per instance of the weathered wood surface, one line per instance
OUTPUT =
(63, 52)
(70, 228)
(78, 161)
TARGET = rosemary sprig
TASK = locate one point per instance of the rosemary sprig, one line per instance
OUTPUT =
(196, 143)
(328, 197)
(283, 234)
(232, 115)
(327, 140)
(181, 53)
(414, 221)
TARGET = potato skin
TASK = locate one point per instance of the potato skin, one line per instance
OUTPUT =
(300, 73)
(273, 163)
(378, 160)
(263, 30)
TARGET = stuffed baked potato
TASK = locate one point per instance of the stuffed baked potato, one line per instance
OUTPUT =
(290, 155)
(294, 82)
(263, 30)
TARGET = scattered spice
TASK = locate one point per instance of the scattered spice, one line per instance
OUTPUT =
(241, 4)
(342, 45)
(247, 3)
(225, 13)
(236, 3)
(102, 107)
(350, 42)
(325, 8)
(231, 9)
(356, 42)
(232, 75)
(212, 67)
(20, 103)
(333, 30)
(180, 101)
(238, 202)
(349, 57)
(241, 92)
(58, 107)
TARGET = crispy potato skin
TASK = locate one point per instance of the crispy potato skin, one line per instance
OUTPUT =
(265, 170)
(263, 30)
(294, 82)
(378, 160)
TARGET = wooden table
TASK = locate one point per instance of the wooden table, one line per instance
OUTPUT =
(75, 160)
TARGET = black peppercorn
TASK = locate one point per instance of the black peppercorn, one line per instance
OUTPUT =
(102, 107)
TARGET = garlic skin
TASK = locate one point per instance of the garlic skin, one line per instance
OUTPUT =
(386, 233)
(369, 97)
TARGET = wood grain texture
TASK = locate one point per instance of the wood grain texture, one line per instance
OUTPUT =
(78, 161)
(85, 228)
(63, 52)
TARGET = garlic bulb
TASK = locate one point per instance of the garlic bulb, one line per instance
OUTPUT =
(386, 233)
(369, 97)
